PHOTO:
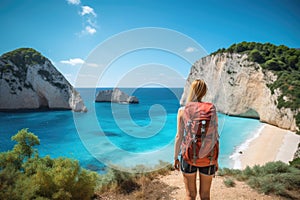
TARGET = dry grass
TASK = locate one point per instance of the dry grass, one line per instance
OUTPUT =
(123, 185)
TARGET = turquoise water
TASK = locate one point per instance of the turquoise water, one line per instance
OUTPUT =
(119, 134)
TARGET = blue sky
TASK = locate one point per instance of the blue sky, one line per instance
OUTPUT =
(67, 31)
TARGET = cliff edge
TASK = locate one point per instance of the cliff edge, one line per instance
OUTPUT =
(28, 80)
(239, 87)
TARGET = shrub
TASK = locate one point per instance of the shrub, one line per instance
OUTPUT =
(25, 175)
(118, 181)
(229, 182)
(256, 56)
(229, 172)
(273, 177)
(274, 64)
(295, 163)
(267, 184)
(275, 168)
(25, 56)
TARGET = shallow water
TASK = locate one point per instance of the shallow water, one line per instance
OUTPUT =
(119, 134)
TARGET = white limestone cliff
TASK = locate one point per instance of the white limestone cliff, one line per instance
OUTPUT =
(36, 86)
(115, 95)
(239, 87)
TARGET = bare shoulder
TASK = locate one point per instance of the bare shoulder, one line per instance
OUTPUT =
(180, 111)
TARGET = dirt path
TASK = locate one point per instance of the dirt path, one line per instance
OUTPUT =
(171, 187)
(241, 191)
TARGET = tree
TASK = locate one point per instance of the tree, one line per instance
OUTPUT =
(273, 64)
(281, 49)
(292, 60)
(256, 56)
(25, 141)
(241, 47)
(25, 175)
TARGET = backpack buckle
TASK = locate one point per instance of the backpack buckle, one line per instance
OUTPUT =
(194, 138)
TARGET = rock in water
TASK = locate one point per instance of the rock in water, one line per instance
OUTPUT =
(115, 95)
(28, 80)
(239, 87)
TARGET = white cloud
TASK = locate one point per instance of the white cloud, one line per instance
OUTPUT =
(190, 49)
(74, 2)
(86, 10)
(90, 30)
(88, 16)
(92, 21)
(73, 61)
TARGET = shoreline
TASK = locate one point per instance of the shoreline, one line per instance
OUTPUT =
(269, 143)
(235, 156)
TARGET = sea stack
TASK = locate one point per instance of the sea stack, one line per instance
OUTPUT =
(116, 96)
(29, 81)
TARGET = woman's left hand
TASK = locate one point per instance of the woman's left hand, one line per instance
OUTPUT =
(176, 164)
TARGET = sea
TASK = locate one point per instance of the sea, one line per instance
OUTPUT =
(123, 136)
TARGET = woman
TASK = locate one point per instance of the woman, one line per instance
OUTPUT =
(189, 169)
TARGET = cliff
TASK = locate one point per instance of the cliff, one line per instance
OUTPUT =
(115, 95)
(28, 80)
(239, 87)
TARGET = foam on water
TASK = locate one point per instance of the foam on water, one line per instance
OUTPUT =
(236, 154)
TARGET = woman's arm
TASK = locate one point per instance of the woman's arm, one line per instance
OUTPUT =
(179, 137)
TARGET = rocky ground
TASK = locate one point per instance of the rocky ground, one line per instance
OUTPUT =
(171, 187)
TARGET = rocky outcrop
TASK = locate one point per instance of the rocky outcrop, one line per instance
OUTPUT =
(30, 81)
(239, 87)
(116, 96)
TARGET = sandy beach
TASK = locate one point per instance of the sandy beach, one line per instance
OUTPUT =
(271, 144)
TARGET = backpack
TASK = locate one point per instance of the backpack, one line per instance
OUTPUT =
(200, 145)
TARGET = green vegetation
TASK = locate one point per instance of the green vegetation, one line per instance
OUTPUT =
(296, 162)
(229, 182)
(283, 62)
(25, 175)
(48, 77)
(274, 177)
(24, 56)
(122, 182)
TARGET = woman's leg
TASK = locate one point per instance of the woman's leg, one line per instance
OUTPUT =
(205, 183)
(190, 185)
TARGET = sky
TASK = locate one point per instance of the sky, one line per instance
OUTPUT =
(69, 32)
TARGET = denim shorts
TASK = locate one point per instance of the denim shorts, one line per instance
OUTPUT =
(190, 169)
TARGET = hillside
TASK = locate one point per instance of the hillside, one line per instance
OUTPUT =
(253, 80)
(28, 80)
(284, 62)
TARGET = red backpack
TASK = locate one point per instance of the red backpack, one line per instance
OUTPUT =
(200, 146)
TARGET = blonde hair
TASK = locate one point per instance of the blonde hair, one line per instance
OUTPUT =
(198, 89)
